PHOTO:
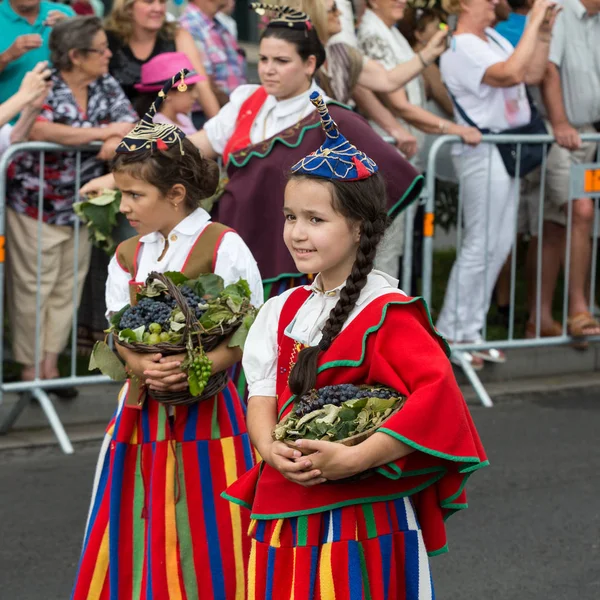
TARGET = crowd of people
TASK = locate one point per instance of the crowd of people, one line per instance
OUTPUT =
(67, 76)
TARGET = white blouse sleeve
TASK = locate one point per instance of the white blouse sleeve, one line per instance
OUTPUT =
(117, 287)
(221, 127)
(261, 349)
(235, 261)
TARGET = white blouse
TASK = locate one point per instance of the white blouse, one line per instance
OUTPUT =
(273, 117)
(234, 260)
(261, 349)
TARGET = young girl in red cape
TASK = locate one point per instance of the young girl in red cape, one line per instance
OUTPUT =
(157, 526)
(313, 536)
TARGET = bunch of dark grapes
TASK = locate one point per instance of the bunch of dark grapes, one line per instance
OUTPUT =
(336, 395)
(193, 300)
(145, 312)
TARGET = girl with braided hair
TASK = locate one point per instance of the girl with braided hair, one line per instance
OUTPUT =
(362, 537)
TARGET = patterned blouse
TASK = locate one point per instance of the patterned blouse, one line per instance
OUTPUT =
(224, 61)
(106, 104)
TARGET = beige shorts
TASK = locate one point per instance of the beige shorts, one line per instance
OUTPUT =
(556, 193)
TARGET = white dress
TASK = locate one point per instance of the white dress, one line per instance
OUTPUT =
(261, 349)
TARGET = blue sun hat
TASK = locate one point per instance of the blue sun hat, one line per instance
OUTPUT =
(337, 158)
(148, 135)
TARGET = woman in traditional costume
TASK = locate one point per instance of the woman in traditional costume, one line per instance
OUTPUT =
(349, 539)
(267, 128)
(157, 526)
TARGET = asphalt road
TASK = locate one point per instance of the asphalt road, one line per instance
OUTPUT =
(532, 532)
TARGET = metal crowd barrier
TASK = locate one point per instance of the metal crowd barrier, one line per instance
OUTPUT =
(38, 388)
(584, 183)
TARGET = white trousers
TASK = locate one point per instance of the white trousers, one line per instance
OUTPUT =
(489, 207)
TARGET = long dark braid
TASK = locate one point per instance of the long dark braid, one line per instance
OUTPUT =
(359, 200)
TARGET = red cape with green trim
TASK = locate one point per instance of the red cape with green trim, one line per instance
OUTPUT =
(392, 342)
(252, 202)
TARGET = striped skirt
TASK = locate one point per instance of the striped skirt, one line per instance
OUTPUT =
(157, 526)
(359, 552)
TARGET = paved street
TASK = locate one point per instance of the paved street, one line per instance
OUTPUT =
(532, 532)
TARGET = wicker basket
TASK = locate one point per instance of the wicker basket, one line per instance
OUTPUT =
(353, 440)
(208, 340)
(357, 438)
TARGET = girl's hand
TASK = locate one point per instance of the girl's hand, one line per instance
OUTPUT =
(292, 465)
(167, 376)
(95, 186)
(334, 461)
(138, 362)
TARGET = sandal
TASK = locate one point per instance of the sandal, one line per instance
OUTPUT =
(577, 325)
(581, 324)
(476, 362)
(555, 330)
(492, 355)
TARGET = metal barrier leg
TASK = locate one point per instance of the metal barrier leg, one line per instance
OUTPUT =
(15, 413)
(474, 380)
(59, 431)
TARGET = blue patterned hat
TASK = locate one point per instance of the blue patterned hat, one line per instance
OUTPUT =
(337, 158)
(148, 135)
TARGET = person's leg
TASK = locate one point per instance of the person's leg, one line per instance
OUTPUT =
(581, 250)
(473, 275)
(60, 302)
(22, 286)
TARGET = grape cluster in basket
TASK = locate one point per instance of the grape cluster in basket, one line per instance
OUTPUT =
(337, 394)
(338, 412)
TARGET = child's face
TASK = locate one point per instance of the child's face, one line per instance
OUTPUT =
(182, 102)
(319, 239)
(146, 208)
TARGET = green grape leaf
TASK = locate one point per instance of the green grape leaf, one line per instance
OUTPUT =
(207, 286)
(132, 335)
(356, 405)
(238, 339)
(176, 277)
(380, 404)
(177, 326)
(152, 289)
(115, 318)
(106, 360)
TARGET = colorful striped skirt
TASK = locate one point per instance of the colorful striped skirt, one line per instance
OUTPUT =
(360, 552)
(157, 526)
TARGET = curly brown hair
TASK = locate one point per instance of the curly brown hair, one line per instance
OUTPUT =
(164, 169)
(120, 22)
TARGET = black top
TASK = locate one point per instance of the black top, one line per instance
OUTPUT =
(126, 68)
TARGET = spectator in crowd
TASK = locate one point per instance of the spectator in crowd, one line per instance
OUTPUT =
(571, 92)
(380, 40)
(486, 77)
(84, 105)
(225, 17)
(224, 61)
(418, 26)
(28, 99)
(25, 26)
(345, 66)
(513, 27)
(138, 31)
(177, 105)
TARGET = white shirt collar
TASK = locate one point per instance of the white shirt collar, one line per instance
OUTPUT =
(189, 226)
(375, 280)
(298, 105)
